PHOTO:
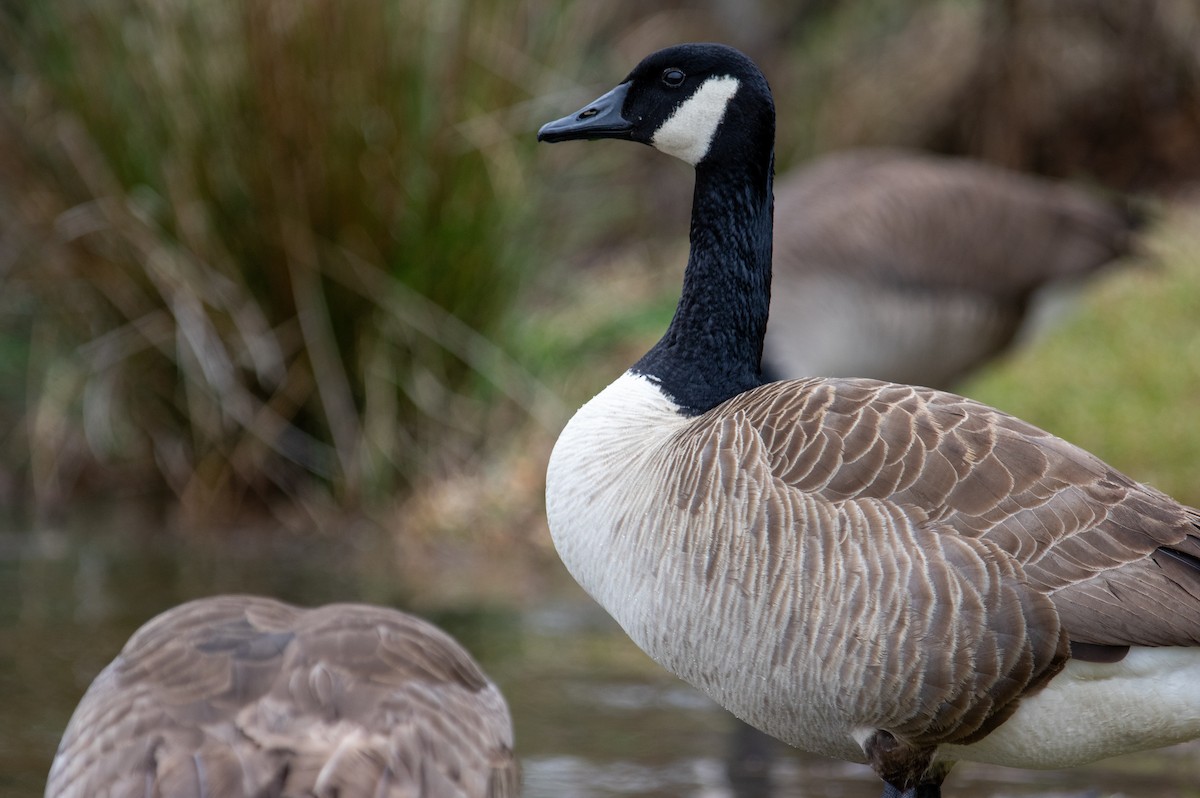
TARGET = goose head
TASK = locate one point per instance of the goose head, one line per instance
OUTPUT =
(705, 104)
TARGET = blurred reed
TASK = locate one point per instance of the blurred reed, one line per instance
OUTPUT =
(264, 249)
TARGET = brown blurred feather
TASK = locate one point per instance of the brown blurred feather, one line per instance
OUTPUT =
(918, 269)
(246, 696)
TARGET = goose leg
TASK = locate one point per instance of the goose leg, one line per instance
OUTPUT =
(907, 771)
(920, 791)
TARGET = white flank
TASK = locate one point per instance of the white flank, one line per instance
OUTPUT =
(1093, 711)
(689, 132)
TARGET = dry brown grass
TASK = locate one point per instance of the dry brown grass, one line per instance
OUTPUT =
(264, 250)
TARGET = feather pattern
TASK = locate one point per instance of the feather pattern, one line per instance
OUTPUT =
(239, 695)
(1096, 541)
(825, 556)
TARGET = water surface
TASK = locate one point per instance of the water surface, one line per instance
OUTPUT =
(595, 718)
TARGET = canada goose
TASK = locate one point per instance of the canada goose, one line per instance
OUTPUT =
(247, 696)
(871, 571)
(915, 268)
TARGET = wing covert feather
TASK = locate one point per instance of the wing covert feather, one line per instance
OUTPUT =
(936, 631)
(1077, 529)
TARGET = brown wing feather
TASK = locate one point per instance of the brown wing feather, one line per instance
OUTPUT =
(932, 635)
(239, 695)
(1097, 542)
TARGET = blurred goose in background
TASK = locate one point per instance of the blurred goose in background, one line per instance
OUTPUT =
(871, 571)
(246, 696)
(919, 269)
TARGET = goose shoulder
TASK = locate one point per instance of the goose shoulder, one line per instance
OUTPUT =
(241, 695)
(1113, 552)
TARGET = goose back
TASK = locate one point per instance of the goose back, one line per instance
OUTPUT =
(247, 696)
(915, 268)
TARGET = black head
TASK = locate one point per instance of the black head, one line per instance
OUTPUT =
(698, 102)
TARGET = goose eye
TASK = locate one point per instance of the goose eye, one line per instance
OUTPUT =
(673, 77)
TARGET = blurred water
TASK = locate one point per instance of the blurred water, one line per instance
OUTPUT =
(594, 717)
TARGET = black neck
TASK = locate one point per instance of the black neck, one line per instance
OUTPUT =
(712, 349)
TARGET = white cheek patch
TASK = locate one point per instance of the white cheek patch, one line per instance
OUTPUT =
(689, 132)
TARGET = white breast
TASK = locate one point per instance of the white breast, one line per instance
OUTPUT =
(601, 461)
(656, 552)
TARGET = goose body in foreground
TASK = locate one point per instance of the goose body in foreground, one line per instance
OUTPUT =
(245, 696)
(915, 268)
(872, 571)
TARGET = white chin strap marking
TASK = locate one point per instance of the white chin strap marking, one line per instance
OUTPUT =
(689, 132)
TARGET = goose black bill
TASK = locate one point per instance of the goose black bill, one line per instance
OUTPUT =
(599, 119)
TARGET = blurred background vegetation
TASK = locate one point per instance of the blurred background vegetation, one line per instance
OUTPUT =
(301, 257)
(297, 266)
